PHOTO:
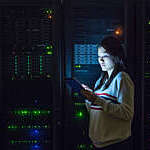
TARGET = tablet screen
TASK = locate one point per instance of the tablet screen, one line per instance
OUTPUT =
(74, 84)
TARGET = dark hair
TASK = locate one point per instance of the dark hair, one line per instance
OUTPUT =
(115, 49)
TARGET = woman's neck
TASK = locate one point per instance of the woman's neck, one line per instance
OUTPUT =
(110, 72)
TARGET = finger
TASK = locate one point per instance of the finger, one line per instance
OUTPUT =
(83, 85)
(85, 93)
(88, 92)
(82, 91)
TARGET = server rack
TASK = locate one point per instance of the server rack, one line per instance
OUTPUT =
(31, 75)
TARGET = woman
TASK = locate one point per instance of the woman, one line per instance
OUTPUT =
(111, 104)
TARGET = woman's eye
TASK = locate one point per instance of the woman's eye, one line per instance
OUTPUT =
(103, 57)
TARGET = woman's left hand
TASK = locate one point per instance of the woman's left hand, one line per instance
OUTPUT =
(89, 95)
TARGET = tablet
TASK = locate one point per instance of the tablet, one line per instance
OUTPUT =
(74, 84)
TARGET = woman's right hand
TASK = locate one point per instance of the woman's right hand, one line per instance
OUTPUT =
(86, 87)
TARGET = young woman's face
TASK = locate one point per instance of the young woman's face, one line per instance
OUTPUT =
(105, 60)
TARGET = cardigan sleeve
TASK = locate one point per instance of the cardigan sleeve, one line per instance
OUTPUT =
(87, 104)
(125, 108)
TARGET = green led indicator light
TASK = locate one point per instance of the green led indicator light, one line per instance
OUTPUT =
(77, 66)
(35, 141)
(25, 112)
(49, 11)
(79, 114)
(47, 47)
(79, 104)
(51, 46)
(38, 127)
(76, 94)
(36, 112)
(12, 141)
(147, 73)
(49, 53)
(28, 60)
(149, 22)
(82, 146)
(48, 76)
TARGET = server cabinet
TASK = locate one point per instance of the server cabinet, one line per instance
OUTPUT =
(86, 23)
(30, 76)
(146, 36)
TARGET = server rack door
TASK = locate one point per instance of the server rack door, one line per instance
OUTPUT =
(30, 89)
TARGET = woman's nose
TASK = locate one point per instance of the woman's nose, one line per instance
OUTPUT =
(101, 59)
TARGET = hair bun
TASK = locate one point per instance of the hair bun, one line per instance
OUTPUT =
(113, 46)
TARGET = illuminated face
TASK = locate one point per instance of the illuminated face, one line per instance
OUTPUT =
(105, 60)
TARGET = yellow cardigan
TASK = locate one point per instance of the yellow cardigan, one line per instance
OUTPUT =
(110, 121)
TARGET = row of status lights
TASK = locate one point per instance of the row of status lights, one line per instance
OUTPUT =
(27, 141)
(28, 127)
(147, 75)
(30, 77)
(48, 49)
(85, 147)
(30, 112)
(35, 133)
(79, 104)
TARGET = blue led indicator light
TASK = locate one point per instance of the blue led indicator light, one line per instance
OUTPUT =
(36, 147)
(36, 131)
